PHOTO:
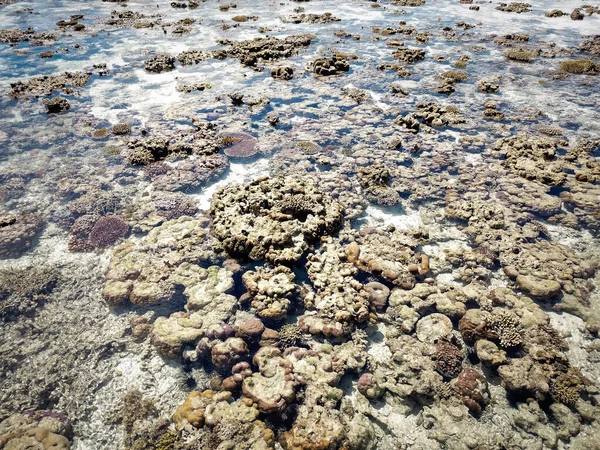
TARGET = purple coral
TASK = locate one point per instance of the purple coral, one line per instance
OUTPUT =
(107, 231)
(240, 145)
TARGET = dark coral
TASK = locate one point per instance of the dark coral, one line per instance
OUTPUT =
(15, 36)
(567, 386)
(282, 73)
(57, 105)
(189, 174)
(47, 84)
(326, 17)
(107, 231)
(290, 336)
(448, 359)
(299, 206)
(145, 151)
(409, 55)
(121, 129)
(135, 407)
(580, 66)
(96, 202)
(160, 63)
(254, 51)
(202, 141)
(374, 179)
(80, 231)
(190, 57)
(175, 205)
(335, 65)
(514, 7)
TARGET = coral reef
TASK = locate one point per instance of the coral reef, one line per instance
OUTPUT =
(136, 273)
(219, 421)
(22, 290)
(377, 237)
(46, 85)
(335, 65)
(36, 429)
(159, 208)
(261, 50)
(273, 219)
(271, 291)
(18, 233)
(239, 145)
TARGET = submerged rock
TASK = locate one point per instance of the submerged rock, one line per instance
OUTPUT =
(18, 233)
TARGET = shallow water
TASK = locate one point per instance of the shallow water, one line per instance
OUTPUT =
(65, 349)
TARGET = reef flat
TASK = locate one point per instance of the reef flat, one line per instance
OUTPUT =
(299, 225)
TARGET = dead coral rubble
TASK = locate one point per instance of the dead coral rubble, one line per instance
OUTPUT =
(262, 50)
(46, 85)
(514, 7)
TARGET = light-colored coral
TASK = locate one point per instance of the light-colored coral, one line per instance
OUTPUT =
(272, 291)
(273, 219)
(35, 430)
(140, 272)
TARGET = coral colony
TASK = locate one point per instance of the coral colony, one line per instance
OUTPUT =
(299, 225)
